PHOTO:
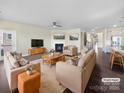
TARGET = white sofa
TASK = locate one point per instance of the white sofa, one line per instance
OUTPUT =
(73, 77)
(12, 73)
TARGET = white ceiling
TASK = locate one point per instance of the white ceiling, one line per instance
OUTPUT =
(68, 13)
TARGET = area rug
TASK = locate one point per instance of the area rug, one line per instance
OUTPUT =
(49, 84)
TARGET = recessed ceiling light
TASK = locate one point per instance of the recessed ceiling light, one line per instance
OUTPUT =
(114, 25)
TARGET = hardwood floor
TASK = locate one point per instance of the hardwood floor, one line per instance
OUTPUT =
(101, 70)
(4, 87)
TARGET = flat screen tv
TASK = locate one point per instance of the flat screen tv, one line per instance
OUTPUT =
(37, 43)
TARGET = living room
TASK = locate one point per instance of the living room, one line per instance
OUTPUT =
(61, 46)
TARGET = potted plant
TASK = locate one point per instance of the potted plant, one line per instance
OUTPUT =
(52, 52)
(29, 69)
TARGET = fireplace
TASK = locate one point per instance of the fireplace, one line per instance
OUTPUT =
(59, 47)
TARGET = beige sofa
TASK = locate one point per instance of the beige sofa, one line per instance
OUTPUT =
(73, 77)
(12, 73)
(70, 50)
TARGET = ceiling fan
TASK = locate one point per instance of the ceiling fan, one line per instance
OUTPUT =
(55, 25)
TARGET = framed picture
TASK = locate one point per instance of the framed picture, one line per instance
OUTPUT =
(59, 36)
(74, 37)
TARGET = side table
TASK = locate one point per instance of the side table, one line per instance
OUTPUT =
(75, 60)
(29, 83)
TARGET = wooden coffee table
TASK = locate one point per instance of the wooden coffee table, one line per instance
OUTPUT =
(53, 59)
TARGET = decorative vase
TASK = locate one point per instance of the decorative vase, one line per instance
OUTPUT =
(29, 72)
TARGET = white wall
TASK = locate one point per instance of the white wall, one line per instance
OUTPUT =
(67, 41)
(24, 34)
(100, 40)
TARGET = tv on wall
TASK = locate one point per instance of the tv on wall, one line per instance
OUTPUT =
(37, 43)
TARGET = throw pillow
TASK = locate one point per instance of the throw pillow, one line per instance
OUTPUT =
(19, 59)
(23, 62)
(13, 62)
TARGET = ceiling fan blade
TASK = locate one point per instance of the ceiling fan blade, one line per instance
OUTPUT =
(121, 21)
(58, 25)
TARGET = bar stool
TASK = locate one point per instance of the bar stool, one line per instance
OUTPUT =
(116, 58)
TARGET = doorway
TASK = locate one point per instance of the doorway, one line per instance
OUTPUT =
(7, 42)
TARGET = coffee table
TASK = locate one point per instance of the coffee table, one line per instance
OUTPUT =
(53, 59)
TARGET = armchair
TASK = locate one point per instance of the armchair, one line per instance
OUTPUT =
(70, 50)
